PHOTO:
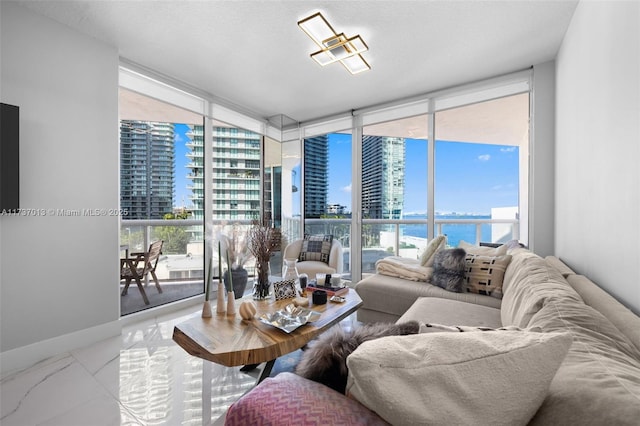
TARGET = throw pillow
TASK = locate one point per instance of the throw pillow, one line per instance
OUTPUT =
(316, 247)
(449, 269)
(485, 274)
(490, 378)
(485, 251)
(435, 245)
(325, 361)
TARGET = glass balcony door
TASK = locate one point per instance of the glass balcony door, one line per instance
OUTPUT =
(161, 179)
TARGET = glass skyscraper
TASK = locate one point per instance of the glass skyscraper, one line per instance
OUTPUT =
(147, 157)
(236, 173)
(316, 175)
(383, 170)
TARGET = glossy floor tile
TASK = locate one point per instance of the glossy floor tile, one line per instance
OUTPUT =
(139, 378)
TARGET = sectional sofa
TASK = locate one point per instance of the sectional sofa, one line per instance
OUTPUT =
(564, 353)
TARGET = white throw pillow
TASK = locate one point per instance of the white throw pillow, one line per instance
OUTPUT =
(434, 246)
(483, 378)
(482, 250)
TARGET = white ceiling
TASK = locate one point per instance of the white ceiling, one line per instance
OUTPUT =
(252, 53)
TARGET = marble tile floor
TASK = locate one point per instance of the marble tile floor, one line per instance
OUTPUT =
(138, 378)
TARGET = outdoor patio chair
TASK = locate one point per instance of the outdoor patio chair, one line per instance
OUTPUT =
(138, 265)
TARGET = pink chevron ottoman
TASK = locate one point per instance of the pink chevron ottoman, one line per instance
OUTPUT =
(288, 399)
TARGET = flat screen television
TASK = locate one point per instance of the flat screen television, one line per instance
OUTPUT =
(9, 157)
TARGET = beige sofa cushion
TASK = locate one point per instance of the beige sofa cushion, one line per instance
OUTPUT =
(599, 381)
(395, 295)
(528, 282)
(621, 317)
(451, 312)
(474, 378)
(559, 265)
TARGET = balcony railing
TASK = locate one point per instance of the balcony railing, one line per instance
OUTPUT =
(407, 237)
(182, 262)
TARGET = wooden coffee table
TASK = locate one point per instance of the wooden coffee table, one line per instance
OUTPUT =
(231, 341)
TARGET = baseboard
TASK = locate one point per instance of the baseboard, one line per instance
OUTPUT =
(18, 359)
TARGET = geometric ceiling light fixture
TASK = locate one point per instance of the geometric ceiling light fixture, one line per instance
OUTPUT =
(334, 47)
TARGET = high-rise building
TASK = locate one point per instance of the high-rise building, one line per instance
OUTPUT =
(383, 169)
(196, 167)
(316, 175)
(147, 157)
(272, 195)
(236, 173)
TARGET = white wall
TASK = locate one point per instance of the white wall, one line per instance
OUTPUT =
(59, 275)
(598, 147)
(541, 161)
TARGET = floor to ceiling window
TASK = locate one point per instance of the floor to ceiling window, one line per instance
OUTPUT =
(394, 189)
(479, 151)
(327, 188)
(160, 177)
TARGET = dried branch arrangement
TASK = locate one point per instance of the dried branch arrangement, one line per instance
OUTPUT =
(263, 241)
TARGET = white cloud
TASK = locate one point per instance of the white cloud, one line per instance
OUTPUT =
(346, 188)
(178, 138)
(484, 157)
(508, 149)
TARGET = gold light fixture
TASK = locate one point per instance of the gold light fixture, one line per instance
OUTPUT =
(334, 47)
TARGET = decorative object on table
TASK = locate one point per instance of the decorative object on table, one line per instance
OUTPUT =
(284, 289)
(290, 317)
(301, 301)
(304, 279)
(235, 243)
(319, 297)
(331, 291)
(206, 308)
(220, 307)
(262, 243)
(231, 304)
(289, 271)
(323, 280)
(338, 299)
(261, 285)
(247, 310)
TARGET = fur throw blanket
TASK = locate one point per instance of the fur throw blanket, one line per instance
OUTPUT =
(326, 359)
(401, 267)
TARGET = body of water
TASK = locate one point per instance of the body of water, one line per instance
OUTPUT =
(454, 232)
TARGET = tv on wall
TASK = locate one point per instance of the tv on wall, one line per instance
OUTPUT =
(9, 157)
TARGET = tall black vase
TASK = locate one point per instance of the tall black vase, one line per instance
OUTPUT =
(240, 277)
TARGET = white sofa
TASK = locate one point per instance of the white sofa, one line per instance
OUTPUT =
(596, 383)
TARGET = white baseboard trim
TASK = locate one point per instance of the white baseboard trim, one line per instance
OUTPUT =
(14, 360)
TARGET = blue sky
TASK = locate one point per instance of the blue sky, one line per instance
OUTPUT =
(470, 178)
(181, 193)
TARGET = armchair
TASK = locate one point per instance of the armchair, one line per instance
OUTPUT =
(312, 267)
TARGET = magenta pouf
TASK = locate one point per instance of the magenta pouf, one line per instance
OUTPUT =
(289, 399)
